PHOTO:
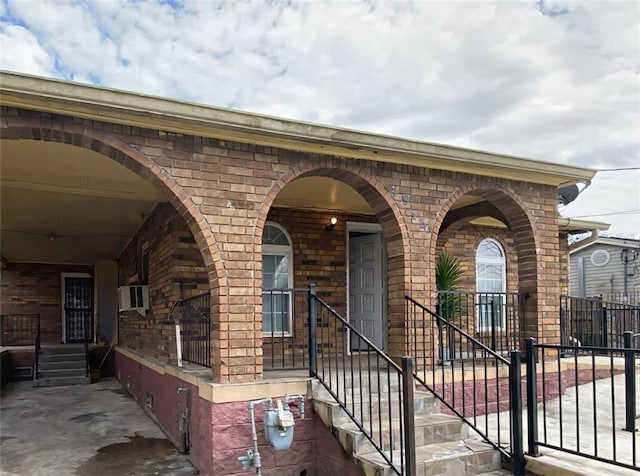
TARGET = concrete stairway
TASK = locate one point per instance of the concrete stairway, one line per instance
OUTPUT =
(443, 445)
(61, 365)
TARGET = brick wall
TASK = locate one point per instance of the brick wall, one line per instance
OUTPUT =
(224, 191)
(220, 432)
(176, 271)
(37, 288)
(464, 245)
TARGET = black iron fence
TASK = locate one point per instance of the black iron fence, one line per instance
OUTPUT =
(588, 410)
(494, 319)
(630, 297)
(196, 330)
(470, 379)
(371, 389)
(285, 328)
(19, 329)
(594, 322)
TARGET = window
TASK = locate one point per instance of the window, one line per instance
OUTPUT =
(277, 264)
(143, 265)
(490, 285)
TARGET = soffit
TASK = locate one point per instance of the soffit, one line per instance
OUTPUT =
(121, 107)
(64, 204)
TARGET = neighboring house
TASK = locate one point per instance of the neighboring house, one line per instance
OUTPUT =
(606, 267)
(216, 219)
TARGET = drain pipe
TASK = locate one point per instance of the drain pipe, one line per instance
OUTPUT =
(253, 457)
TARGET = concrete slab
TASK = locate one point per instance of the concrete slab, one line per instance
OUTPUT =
(82, 430)
(600, 406)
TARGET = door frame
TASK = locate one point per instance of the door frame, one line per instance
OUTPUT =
(372, 228)
(63, 276)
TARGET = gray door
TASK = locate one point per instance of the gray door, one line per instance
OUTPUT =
(366, 290)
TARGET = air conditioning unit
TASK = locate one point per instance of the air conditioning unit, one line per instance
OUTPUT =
(133, 298)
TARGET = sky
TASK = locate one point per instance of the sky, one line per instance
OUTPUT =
(555, 81)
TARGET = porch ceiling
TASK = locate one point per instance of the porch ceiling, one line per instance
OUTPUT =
(64, 204)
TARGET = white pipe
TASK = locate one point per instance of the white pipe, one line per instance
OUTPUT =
(178, 345)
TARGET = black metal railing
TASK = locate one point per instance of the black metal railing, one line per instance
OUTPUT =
(370, 388)
(196, 330)
(87, 330)
(630, 297)
(285, 328)
(470, 379)
(38, 346)
(19, 329)
(494, 319)
(588, 409)
(594, 322)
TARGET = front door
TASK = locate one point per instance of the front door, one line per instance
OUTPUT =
(77, 308)
(366, 288)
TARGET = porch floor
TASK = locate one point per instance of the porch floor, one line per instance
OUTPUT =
(82, 430)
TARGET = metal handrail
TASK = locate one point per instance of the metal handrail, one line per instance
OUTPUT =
(431, 324)
(401, 460)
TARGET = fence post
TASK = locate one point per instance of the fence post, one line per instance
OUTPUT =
(603, 338)
(629, 383)
(313, 321)
(515, 393)
(532, 398)
(408, 411)
(493, 324)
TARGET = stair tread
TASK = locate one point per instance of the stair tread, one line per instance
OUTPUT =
(419, 422)
(437, 451)
(367, 397)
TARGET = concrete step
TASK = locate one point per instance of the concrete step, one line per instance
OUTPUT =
(61, 365)
(373, 382)
(59, 381)
(353, 389)
(370, 407)
(58, 373)
(440, 459)
(61, 357)
(63, 349)
(429, 429)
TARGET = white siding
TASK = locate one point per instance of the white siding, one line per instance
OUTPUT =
(603, 279)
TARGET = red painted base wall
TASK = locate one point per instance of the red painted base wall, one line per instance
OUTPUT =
(221, 432)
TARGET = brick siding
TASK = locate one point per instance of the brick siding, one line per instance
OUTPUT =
(37, 288)
(224, 192)
(176, 271)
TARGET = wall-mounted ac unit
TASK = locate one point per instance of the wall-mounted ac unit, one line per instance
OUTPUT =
(133, 298)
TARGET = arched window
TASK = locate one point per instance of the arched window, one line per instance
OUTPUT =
(277, 280)
(491, 285)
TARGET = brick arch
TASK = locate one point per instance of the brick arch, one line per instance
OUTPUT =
(525, 239)
(16, 128)
(389, 215)
(380, 200)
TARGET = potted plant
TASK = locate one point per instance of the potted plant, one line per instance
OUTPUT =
(448, 279)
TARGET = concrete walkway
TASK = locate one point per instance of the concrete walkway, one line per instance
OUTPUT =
(82, 430)
(596, 431)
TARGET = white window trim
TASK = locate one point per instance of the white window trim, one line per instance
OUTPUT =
(281, 250)
(492, 260)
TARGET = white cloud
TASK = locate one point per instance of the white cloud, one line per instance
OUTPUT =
(563, 85)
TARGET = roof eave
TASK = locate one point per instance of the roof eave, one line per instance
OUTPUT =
(121, 107)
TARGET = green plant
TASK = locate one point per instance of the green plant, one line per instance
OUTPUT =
(448, 280)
